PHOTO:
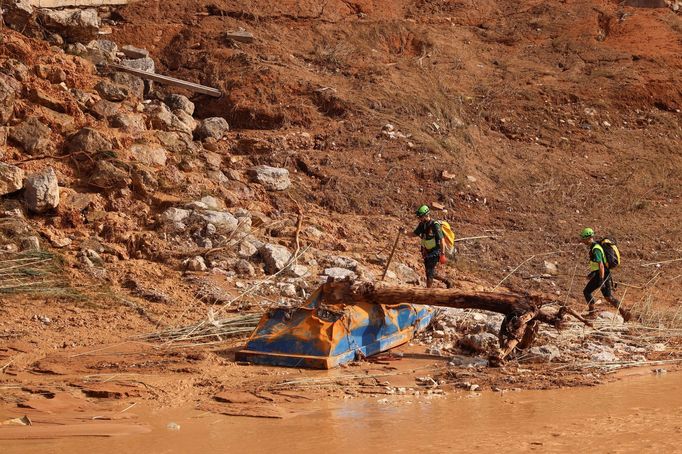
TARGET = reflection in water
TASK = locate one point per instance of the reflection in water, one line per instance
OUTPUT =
(642, 414)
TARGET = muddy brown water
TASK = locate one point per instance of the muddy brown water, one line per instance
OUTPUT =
(641, 414)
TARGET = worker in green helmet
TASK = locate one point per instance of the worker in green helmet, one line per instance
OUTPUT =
(599, 277)
(432, 245)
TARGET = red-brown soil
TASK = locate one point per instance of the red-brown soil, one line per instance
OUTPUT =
(550, 115)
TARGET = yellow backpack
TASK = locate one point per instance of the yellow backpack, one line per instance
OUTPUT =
(448, 234)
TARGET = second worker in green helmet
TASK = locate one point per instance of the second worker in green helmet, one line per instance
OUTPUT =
(599, 277)
(432, 245)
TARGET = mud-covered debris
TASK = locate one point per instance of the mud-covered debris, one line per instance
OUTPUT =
(11, 178)
(41, 191)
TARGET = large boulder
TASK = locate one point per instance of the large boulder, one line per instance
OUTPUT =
(74, 24)
(7, 97)
(88, 140)
(212, 128)
(11, 178)
(276, 257)
(32, 136)
(41, 191)
(272, 178)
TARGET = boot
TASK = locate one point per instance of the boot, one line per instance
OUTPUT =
(591, 311)
(626, 314)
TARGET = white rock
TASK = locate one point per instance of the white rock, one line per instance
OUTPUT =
(221, 219)
(41, 191)
(604, 357)
(272, 178)
(339, 273)
(247, 250)
(195, 264)
(298, 271)
(175, 214)
(11, 178)
(276, 257)
(544, 353)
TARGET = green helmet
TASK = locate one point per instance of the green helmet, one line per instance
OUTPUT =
(587, 233)
(422, 211)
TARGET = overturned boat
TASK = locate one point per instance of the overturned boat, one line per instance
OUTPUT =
(321, 336)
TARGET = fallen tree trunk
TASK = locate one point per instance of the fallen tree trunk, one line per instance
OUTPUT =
(522, 311)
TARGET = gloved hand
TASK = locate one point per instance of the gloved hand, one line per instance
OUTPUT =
(442, 259)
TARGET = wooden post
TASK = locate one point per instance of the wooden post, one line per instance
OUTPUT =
(390, 257)
(197, 88)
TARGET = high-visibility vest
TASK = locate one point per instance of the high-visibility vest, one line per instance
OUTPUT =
(594, 266)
